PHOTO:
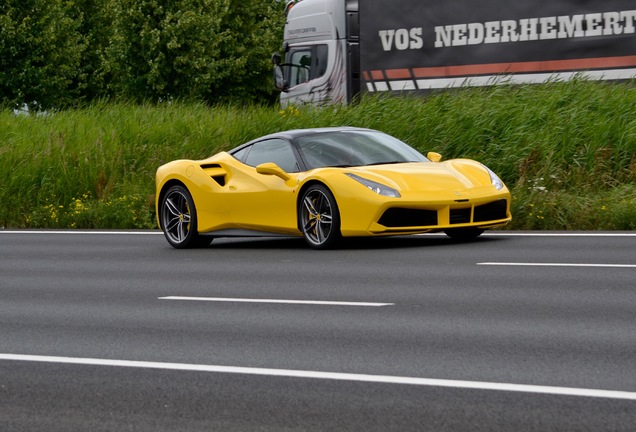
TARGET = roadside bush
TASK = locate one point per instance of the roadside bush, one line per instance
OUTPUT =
(567, 151)
(40, 53)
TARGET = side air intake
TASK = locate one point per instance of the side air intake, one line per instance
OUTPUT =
(216, 172)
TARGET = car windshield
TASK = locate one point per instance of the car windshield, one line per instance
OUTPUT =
(355, 148)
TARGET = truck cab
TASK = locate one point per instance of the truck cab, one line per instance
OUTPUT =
(320, 52)
(335, 48)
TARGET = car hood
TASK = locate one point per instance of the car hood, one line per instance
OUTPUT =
(456, 174)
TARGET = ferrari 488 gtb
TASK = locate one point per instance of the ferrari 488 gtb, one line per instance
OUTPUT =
(325, 184)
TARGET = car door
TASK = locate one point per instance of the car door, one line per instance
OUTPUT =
(264, 201)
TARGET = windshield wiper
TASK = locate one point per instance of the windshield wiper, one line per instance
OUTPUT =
(386, 163)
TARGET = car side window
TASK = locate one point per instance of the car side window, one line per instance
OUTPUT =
(241, 154)
(275, 150)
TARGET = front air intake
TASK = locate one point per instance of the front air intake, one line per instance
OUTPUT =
(492, 211)
(459, 216)
(402, 217)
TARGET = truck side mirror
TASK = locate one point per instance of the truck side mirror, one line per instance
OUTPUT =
(279, 78)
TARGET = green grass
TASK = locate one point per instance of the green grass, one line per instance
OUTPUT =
(567, 151)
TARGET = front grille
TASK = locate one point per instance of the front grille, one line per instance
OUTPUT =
(401, 217)
(458, 216)
(491, 211)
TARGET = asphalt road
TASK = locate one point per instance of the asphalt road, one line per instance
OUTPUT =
(511, 332)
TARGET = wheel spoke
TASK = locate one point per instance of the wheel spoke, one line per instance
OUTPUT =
(323, 230)
(320, 203)
(325, 218)
(181, 231)
(176, 217)
(317, 217)
(309, 205)
(171, 223)
(309, 226)
(172, 208)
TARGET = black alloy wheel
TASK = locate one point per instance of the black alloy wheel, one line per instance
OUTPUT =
(178, 218)
(319, 217)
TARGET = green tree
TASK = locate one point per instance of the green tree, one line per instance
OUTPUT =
(251, 32)
(94, 20)
(40, 53)
(211, 50)
(57, 53)
(166, 49)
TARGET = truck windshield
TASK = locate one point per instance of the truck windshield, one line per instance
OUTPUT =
(355, 148)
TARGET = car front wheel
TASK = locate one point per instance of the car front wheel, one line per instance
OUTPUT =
(319, 217)
(179, 219)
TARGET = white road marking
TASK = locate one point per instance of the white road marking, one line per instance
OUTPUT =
(558, 234)
(383, 379)
(302, 302)
(88, 232)
(527, 264)
(501, 233)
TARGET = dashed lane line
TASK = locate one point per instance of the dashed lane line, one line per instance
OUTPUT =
(279, 301)
(529, 264)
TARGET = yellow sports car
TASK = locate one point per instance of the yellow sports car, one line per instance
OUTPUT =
(324, 184)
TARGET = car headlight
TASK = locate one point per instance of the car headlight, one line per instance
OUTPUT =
(494, 179)
(376, 187)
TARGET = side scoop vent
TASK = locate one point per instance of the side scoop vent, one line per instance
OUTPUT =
(216, 172)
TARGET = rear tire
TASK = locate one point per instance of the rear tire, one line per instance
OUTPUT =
(464, 233)
(178, 218)
(319, 217)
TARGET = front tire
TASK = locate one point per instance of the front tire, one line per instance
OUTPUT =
(179, 219)
(319, 217)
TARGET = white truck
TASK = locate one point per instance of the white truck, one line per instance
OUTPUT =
(334, 50)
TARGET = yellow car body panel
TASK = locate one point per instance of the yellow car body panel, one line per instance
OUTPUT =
(361, 208)
(230, 195)
(324, 184)
(240, 198)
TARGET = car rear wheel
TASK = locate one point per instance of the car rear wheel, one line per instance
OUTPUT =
(179, 219)
(464, 233)
(319, 217)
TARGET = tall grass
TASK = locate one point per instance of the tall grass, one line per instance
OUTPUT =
(566, 150)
